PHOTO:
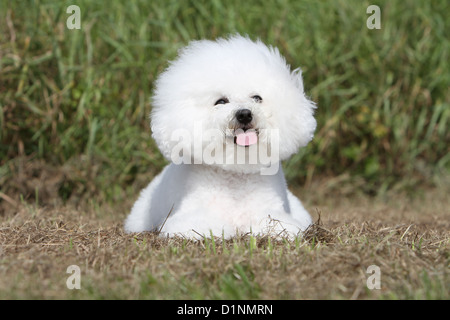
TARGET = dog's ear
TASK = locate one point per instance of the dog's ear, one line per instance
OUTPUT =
(299, 127)
(298, 79)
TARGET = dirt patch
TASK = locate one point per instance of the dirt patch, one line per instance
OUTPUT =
(35, 181)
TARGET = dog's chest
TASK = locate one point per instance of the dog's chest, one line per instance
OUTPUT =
(237, 194)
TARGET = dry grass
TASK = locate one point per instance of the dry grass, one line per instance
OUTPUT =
(408, 239)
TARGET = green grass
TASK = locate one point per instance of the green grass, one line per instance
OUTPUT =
(81, 98)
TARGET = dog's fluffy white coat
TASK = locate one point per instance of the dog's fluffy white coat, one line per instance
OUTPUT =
(225, 199)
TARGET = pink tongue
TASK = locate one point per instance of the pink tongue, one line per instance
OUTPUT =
(246, 138)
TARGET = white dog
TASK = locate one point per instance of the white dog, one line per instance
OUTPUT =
(226, 113)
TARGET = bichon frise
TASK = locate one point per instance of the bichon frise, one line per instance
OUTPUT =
(226, 113)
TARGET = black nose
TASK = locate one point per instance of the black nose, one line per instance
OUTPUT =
(244, 116)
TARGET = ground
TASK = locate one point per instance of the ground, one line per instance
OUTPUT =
(406, 237)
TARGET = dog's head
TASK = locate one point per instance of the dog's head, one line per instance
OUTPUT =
(228, 101)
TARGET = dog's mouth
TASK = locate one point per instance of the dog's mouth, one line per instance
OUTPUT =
(245, 137)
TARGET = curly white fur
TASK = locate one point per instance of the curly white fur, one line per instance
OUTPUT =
(215, 186)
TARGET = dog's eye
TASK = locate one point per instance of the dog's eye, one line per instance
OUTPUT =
(221, 101)
(257, 99)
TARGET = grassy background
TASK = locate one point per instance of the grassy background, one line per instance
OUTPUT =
(80, 99)
(75, 147)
